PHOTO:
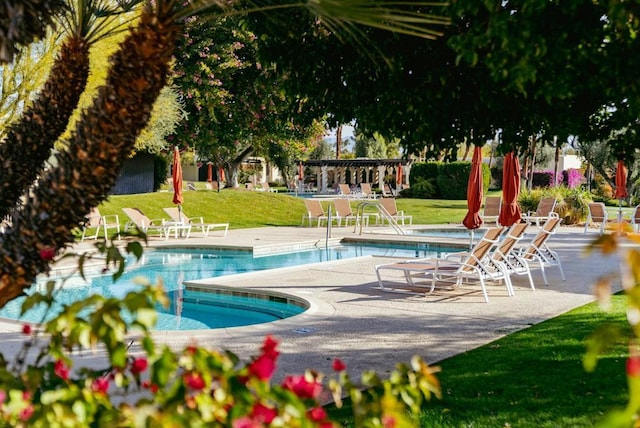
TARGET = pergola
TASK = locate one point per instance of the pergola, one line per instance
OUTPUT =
(356, 171)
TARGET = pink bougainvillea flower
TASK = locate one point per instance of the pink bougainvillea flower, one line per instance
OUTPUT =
(3, 396)
(302, 387)
(633, 365)
(47, 253)
(194, 381)
(246, 422)
(262, 367)
(338, 365)
(269, 347)
(100, 385)
(139, 365)
(317, 414)
(150, 386)
(388, 421)
(263, 414)
(61, 369)
(26, 413)
(26, 329)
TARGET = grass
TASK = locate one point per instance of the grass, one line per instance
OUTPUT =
(244, 209)
(530, 378)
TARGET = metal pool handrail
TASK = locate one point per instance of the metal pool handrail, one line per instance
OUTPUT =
(383, 213)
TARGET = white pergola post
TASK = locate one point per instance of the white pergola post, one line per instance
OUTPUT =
(381, 171)
(324, 180)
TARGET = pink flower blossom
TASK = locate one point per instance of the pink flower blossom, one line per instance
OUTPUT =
(338, 365)
(246, 422)
(263, 414)
(47, 253)
(26, 413)
(269, 347)
(194, 381)
(139, 365)
(61, 369)
(100, 385)
(302, 387)
(262, 367)
(317, 414)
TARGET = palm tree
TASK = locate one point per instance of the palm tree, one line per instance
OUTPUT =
(48, 115)
(21, 22)
(105, 134)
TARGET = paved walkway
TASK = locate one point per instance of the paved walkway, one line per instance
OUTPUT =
(350, 318)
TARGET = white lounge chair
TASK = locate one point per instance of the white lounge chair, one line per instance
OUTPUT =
(475, 265)
(314, 212)
(344, 212)
(389, 204)
(538, 252)
(491, 210)
(597, 214)
(367, 192)
(143, 223)
(100, 222)
(195, 222)
(542, 213)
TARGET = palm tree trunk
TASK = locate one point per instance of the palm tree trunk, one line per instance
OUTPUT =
(42, 123)
(103, 139)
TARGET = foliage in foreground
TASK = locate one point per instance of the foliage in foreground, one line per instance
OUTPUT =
(52, 381)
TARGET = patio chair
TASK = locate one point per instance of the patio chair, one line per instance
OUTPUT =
(491, 211)
(367, 192)
(475, 265)
(100, 222)
(314, 212)
(345, 191)
(195, 222)
(635, 219)
(344, 212)
(542, 213)
(265, 187)
(143, 223)
(389, 205)
(538, 252)
(597, 214)
(387, 191)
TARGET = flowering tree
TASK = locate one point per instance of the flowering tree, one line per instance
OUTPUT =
(236, 106)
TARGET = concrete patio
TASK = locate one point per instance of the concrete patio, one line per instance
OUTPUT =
(352, 319)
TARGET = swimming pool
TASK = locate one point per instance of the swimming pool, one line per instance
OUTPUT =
(461, 233)
(194, 310)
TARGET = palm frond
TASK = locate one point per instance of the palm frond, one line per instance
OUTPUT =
(94, 20)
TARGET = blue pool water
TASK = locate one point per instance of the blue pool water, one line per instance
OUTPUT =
(447, 233)
(192, 310)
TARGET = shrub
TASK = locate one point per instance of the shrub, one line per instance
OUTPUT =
(424, 189)
(571, 204)
(453, 179)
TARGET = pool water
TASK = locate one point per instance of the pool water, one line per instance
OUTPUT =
(192, 310)
(447, 233)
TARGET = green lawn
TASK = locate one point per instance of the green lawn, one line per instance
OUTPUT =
(532, 378)
(243, 209)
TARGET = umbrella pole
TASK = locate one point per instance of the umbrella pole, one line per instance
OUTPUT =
(471, 240)
(620, 211)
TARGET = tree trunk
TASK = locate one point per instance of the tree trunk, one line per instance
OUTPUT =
(338, 141)
(102, 140)
(557, 161)
(29, 141)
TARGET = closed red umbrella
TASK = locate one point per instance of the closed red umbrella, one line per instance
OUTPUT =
(621, 181)
(621, 186)
(399, 176)
(474, 191)
(300, 172)
(510, 211)
(221, 174)
(209, 173)
(178, 199)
